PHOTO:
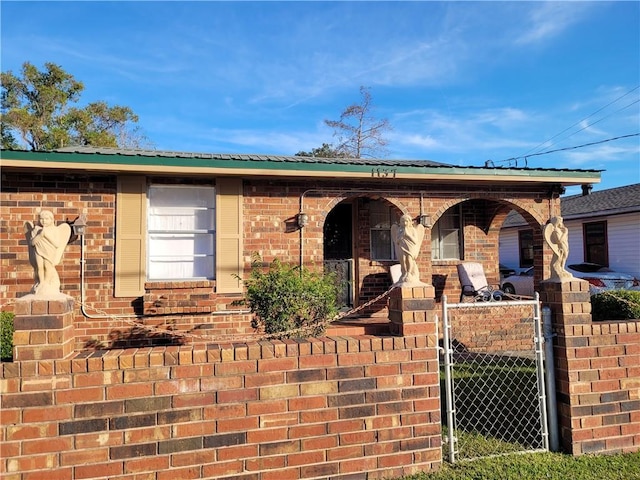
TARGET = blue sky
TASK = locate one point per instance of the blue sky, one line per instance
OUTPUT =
(460, 82)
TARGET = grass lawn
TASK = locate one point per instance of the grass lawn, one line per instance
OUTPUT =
(539, 466)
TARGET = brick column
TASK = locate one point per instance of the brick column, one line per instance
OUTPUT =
(570, 304)
(411, 310)
(43, 328)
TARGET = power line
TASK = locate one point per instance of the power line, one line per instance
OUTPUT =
(525, 157)
(603, 118)
(586, 118)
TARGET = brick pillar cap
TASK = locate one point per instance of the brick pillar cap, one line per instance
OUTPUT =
(56, 297)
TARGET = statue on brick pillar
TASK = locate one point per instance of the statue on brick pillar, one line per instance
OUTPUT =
(556, 235)
(46, 242)
(407, 238)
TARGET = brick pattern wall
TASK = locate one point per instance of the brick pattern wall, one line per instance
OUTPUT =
(270, 207)
(597, 373)
(322, 408)
(501, 328)
(604, 386)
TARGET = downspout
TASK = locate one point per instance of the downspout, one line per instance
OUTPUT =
(82, 291)
(301, 261)
(102, 317)
(550, 377)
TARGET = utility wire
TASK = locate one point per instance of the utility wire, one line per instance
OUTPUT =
(586, 118)
(525, 157)
(603, 118)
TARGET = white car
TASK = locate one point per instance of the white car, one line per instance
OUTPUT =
(600, 279)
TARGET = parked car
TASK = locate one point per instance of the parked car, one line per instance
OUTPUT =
(600, 279)
(506, 271)
(520, 284)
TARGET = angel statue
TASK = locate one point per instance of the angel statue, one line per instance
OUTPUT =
(556, 235)
(46, 242)
(407, 239)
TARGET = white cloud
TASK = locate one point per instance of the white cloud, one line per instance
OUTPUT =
(547, 20)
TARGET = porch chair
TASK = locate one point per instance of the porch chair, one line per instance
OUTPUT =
(396, 272)
(474, 283)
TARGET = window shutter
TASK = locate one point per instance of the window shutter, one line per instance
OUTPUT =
(228, 235)
(130, 244)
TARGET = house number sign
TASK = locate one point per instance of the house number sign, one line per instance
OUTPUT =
(383, 172)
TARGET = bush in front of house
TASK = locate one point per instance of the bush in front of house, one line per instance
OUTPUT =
(6, 336)
(616, 305)
(290, 301)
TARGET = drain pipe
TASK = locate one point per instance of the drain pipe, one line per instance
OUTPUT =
(550, 377)
(82, 290)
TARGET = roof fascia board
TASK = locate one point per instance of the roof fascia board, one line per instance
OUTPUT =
(173, 165)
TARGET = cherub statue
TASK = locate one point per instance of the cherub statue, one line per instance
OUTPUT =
(407, 239)
(46, 242)
(556, 235)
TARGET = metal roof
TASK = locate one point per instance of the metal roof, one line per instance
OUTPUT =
(248, 157)
(82, 158)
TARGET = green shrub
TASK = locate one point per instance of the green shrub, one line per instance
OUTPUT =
(6, 336)
(290, 300)
(616, 305)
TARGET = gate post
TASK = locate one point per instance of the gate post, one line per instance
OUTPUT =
(570, 304)
(43, 327)
(412, 311)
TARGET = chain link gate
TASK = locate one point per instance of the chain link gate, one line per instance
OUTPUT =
(493, 364)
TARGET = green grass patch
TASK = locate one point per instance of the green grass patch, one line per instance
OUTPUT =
(538, 466)
(497, 405)
(473, 445)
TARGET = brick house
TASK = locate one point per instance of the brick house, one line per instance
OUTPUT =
(170, 234)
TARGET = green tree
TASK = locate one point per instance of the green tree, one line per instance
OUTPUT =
(37, 106)
(359, 133)
(325, 151)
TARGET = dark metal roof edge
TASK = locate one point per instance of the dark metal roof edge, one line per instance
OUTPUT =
(287, 159)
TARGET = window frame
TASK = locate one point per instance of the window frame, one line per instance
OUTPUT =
(601, 258)
(437, 244)
(525, 248)
(210, 231)
(393, 217)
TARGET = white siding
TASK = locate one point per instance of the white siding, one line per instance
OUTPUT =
(576, 240)
(509, 249)
(623, 235)
(623, 232)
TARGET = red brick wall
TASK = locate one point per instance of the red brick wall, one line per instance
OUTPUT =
(600, 398)
(269, 207)
(326, 407)
(500, 328)
(597, 367)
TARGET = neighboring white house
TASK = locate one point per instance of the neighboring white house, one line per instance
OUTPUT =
(604, 228)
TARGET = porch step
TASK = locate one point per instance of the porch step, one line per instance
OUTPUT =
(359, 326)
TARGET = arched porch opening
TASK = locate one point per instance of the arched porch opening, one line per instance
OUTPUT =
(469, 230)
(358, 248)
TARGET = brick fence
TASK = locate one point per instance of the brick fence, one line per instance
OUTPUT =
(334, 407)
(597, 367)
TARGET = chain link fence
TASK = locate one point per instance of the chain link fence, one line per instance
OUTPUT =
(492, 370)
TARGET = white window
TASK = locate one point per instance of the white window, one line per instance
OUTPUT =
(381, 217)
(446, 236)
(181, 232)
